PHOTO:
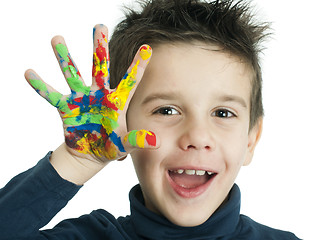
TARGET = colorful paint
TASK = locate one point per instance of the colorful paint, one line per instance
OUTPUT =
(138, 138)
(91, 116)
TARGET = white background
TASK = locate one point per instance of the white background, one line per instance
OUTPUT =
(287, 184)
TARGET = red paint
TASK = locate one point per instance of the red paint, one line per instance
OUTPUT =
(71, 141)
(107, 103)
(143, 48)
(104, 134)
(108, 144)
(101, 54)
(92, 100)
(72, 106)
(71, 63)
(99, 79)
(151, 139)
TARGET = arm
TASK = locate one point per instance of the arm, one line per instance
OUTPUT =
(31, 199)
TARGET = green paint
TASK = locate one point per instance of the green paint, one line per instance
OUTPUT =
(38, 85)
(84, 119)
(109, 124)
(63, 51)
(54, 98)
(74, 81)
(132, 138)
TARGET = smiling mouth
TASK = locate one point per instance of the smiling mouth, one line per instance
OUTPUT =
(189, 183)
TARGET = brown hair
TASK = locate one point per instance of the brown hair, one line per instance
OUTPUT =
(228, 24)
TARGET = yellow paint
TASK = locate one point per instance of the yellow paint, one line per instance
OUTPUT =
(95, 149)
(106, 112)
(119, 97)
(74, 113)
(100, 65)
(111, 151)
(106, 123)
(125, 139)
(84, 145)
(140, 137)
(145, 52)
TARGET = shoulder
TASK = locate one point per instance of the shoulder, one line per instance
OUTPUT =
(103, 222)
(253, 230)
(103, 217)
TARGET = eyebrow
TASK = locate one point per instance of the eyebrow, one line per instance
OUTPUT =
(162, 96)
(174, 95)
(233, 98)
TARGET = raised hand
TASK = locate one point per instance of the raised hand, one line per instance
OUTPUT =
(94, 118)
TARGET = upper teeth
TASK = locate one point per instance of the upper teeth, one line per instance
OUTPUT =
(193, 172)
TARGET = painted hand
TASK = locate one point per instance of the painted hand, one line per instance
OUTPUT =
(94, 118)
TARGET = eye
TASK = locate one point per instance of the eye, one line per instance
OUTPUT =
(223, 113)
(166, 111)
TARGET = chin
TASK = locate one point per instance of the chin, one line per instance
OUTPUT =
(189, 216)
(189, 220)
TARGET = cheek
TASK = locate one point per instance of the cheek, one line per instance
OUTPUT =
(234, 148)
(146, 163)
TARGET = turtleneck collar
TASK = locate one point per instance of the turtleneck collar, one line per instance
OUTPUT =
(148, 224)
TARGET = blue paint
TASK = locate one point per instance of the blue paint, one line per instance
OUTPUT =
(85, 104)
(72, 97)
(117, 141)
(86, 127)
(99, 95)
(125, 76)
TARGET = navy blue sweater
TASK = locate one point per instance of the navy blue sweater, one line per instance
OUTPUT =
(31, 199)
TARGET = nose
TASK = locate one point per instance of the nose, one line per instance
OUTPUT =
(196, 135)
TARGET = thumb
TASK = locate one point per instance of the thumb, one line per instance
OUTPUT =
(141, 139)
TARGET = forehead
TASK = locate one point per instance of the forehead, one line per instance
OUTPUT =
(195, 68)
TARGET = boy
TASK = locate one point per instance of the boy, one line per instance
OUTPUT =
(189, 125)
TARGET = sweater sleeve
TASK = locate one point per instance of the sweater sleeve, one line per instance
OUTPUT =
(31, 199)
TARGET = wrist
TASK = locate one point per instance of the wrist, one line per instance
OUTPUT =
(73, 168)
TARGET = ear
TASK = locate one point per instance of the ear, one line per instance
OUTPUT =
(253, 139)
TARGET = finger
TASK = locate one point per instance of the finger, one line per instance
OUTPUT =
(128, 84)
(141, 139)
(46, 91)
(100, 71)
(69, 68)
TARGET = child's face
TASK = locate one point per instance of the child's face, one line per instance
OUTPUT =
(197, 101)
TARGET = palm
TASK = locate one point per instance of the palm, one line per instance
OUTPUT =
(94, 117)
